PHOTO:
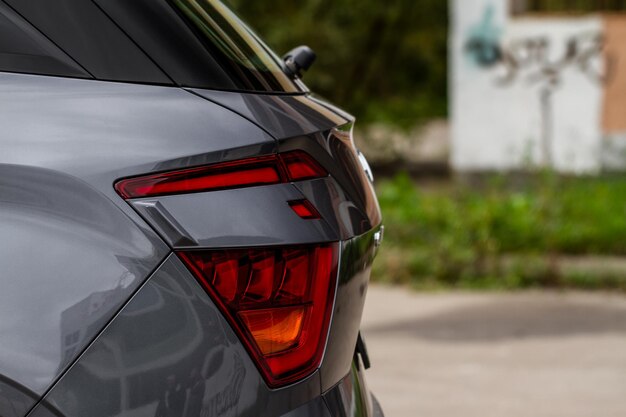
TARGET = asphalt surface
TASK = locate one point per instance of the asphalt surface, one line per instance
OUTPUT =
(520, 354)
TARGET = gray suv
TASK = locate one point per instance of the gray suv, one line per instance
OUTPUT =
(186, 230)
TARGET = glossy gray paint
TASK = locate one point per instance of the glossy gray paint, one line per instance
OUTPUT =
(170, 330)
(346, 201)
(336, 151)
(282, 116)
(307, 123)
(101, 131)
(70, 258)
(335, 206)
(93, 133)
(354, 272)
(324, 131)
(351, 397)
(68, 239)
(15, 399)
(233, 218)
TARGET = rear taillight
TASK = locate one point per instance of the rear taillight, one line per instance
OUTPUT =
(279, 301)
(300, 166)
(304, 209)
(273, 169)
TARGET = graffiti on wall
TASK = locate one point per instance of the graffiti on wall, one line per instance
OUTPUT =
(538, 61)
(535, 57)
(532, 57)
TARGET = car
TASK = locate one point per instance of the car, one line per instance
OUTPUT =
(186, 230)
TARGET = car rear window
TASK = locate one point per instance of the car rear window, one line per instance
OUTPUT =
(24, 50)
(251, 64)
(189, 43)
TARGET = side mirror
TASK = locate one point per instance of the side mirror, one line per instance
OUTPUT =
(299, 60)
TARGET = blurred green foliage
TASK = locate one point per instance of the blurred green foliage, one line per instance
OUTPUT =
(388, 63)
(385, 62)
(500, 233)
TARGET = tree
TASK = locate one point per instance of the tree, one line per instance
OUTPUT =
(382, 61)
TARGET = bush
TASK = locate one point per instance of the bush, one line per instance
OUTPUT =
(498, 233)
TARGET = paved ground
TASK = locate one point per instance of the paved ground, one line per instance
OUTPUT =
(523, 354)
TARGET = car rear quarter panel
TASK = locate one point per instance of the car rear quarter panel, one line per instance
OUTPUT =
(170, 336)
(72, 251)
(101, 131)
(90, 134)
(70, 258)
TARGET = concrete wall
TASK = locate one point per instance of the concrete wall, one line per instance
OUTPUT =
(534, 91)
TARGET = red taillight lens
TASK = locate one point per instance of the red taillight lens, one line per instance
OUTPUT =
(279, 301)
(300, 166)
(273, 169)
(304, 209)
(245, 173)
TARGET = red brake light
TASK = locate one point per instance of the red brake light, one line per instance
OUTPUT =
(304, 209)
(265, 170)
(300, 166)
(247, 172)
(279, 301)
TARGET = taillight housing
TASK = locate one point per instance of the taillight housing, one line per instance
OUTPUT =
(279, 301)
(263, 170)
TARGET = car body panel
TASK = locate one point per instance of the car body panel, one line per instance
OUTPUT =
(171, 328)
(70, 258)
(282, 116)
(101, 131)
(15, 399)
(335, 206)
(335, 150)
(90, 324)
(64, 143)
(256, 216)
(170, 341)
(354, 271)
(306, 123)
(350, 397)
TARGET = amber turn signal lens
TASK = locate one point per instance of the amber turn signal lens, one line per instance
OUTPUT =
(275, 330)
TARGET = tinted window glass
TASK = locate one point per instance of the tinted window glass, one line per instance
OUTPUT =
(86, 34)
(235, 47)
(24, 49)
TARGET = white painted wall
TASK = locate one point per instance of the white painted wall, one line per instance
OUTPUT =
(498, 125)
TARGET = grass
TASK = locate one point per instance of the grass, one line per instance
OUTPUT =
(501, 232)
